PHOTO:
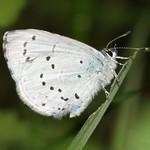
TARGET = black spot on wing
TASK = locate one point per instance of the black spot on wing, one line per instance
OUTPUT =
(25, 44)
(43, 104)
(51, 88)
(53, 66)
(81, 62)
(41, 75)
(53, 47)
(48, 58)
(33, 37)
(79, 76)
(59, 90)
(24, 52)
(62, 98)
(63, 109)
(65, 99)
(27, 59)
(76, 96)
(43, 83)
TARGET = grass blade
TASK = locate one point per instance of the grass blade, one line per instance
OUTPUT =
(92, 122)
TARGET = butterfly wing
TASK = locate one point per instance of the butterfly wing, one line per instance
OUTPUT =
(54, 75)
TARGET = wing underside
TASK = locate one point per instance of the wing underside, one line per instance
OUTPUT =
(54, 75)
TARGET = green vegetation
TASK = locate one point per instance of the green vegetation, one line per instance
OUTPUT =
(126, 123)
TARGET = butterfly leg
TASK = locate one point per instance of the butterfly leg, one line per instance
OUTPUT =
(123, 66)
(125, 58)
(119, 57)
(122, 58)
(106, 92)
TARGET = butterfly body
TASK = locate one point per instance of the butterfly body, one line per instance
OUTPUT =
(56, 75)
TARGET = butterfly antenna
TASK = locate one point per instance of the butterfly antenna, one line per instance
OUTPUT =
(144, 49)
(123, 35)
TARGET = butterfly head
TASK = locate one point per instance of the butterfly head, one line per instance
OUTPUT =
(112, 52)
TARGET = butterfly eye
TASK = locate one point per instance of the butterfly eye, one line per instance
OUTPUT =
(110, 53)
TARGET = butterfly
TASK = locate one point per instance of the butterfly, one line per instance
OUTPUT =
(56, 75)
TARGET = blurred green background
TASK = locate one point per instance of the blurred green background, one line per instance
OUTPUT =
(126, 125)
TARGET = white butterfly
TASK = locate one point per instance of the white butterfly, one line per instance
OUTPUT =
(56, 75)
